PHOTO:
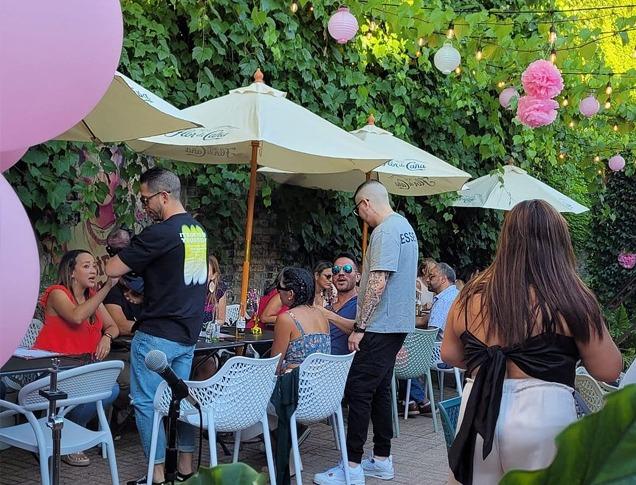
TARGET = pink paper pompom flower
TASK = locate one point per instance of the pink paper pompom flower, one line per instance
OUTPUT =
(543, 79)
(627, 260)
(534, 111)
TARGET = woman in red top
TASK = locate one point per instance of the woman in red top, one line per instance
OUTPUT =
(76, 322)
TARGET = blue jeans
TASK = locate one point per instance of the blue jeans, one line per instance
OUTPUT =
(83, 413)
(417, 391)
(144, 383)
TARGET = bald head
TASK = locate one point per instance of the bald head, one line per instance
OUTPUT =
(372, 202)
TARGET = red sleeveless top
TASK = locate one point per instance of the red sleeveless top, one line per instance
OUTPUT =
(58, 335)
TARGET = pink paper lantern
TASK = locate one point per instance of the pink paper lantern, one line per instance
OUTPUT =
(342, 25)
(58, 58)
(627, 260)
(505, 97)
(616, 163)
(589, 106)
(20, 265)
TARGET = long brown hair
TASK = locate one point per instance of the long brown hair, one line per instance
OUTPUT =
(216, 270)
(65, 273)
(533, 274)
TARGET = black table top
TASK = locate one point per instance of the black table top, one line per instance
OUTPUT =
(247, 337)
(17, 365)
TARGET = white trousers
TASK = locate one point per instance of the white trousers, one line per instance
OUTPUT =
(532, 413)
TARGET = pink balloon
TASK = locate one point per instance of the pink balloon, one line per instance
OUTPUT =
(58, 58)
(9, 158)
(20, 265)
(506, 96)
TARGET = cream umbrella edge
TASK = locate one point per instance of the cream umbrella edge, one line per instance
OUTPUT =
(488, 192)
(141, 113)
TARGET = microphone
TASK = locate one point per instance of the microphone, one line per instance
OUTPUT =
(157, 361)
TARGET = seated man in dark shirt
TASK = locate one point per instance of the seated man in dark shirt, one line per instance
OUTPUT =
(342, 313)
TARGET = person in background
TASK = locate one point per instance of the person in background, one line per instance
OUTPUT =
(443, 285)
(423, 293)
(303, 329)
(205, 366)
(270, 304)
(171, 256)
(386, 314)
(323, 285)
(76, 322)
(342, 313)
(519, 329)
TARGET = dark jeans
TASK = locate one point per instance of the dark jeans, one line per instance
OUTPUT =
(368, 392)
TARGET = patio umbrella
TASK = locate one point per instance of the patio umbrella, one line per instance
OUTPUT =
(126, 112)
(497, 191)
(258, 125)
(411, 171)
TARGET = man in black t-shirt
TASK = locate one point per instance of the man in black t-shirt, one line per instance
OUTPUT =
(171, 256)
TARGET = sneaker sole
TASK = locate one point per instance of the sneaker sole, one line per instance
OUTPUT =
(379, 475)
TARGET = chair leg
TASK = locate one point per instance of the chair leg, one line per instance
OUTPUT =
(394, 408)
(440, 376)
(268, 451)
(156, 422)
(214, 461)
(406, 400)
(112, 461)
(45, 472)
(334, 429)
(458, 381)
(343, 450)
(431, 397)
(237, 446)
(295, 449)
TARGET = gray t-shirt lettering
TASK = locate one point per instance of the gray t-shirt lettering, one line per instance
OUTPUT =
(392, 248)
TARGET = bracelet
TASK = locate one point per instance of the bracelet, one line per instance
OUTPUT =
(358, 329)
(108, 335)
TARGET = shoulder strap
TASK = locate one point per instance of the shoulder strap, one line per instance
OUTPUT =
(297, 323)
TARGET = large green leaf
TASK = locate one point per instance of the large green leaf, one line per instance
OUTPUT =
(230, 474)
(598, 449)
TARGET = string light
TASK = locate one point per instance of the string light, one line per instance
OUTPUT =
(562, 156)
(418, 53)
(421, 41)
(553, 56)
(597, 158)
(479, 54)
(294, 7)
(311, 8)
(608, 103)
(458, 70)
(615, 128)
(552, 36)
(565, 102)
(571, 124)
(608, 88)
(451, 30)
(501, 84)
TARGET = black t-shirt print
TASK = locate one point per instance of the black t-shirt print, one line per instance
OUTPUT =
(171, 256)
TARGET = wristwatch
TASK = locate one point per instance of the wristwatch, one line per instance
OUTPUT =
(358, 329)
(108, 335)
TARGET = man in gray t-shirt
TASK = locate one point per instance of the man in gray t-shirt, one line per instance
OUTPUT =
(386, 314)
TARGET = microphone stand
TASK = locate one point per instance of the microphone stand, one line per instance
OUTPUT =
(56, 423)
(171, 442)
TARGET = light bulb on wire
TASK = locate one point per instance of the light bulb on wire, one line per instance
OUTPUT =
(451, 30)
(294, 7)
(597, 158)
(565, 102)
(479, 55)
(458, 70)
(553, 56)
(615, 128)
(562, 156)
(552, 36)
(608, 88)
(501, 84)
(571, 124)
(421, 41)
(608, 103)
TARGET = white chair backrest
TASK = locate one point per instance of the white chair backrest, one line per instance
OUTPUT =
(87, 383)
(31, 334)
(590, 391)
(321, 384)
(237, 395)
(629, 377)
(416, 355)
(232, 313)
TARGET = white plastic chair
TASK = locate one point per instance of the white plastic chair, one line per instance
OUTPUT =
(232, 313)
(629, 377)
(86, 384)
(590, 391)
(233, 399)
(18, 381)
(321, 385)
(437, 359)
(414, 360)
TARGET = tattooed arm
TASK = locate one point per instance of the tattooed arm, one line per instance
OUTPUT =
(371, 298)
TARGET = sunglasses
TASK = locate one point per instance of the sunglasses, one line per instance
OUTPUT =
(347, 268)
(144, 200)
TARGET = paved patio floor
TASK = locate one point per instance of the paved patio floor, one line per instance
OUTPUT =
(419, 455)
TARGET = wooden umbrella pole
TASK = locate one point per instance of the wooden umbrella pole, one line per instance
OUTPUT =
(249, 225)
(365, 230)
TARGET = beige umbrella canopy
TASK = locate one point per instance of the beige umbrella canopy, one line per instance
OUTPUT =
(258, 125)
(497, 191)
(126, 112)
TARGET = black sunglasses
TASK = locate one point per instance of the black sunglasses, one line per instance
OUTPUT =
(144, 200)
(347, 268)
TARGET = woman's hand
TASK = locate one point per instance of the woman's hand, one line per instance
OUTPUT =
(103, 348)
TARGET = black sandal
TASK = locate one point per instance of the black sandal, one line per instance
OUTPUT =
(143, 481)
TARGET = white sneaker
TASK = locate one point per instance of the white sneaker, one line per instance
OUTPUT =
(382, 469)
(336, 476)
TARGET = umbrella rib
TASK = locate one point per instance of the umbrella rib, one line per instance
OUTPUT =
(94, 138)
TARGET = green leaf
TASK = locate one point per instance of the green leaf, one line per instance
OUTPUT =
(598, 449)
(59, 193)
(36, 156)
